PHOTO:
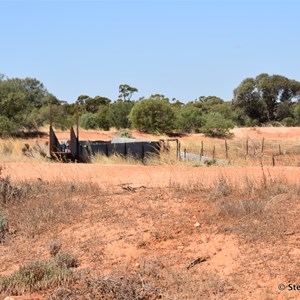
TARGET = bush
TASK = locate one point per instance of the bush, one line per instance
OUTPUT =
(189, 119)
(216, 125)
(38, 275)
(8, 191)
(103, 117)
(119, 112)
(288, 122)
(152, 116)
(66, 260)
(63, 122)
(89, 121)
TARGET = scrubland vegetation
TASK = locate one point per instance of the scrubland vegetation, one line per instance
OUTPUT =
(265, 99)
(226, 235)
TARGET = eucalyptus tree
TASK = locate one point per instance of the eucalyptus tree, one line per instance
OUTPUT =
(267, 98)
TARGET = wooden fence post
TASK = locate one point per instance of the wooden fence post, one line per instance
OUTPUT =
(247, 149)
(279, 148)
(262, 145)
(226, 149)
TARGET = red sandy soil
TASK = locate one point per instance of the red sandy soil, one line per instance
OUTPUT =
(146, 215)
(267, 132)
(139, 219)
(273, 133)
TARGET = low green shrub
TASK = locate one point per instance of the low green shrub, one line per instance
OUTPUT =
(39, 275)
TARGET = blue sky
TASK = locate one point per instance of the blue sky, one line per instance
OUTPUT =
(181, 49)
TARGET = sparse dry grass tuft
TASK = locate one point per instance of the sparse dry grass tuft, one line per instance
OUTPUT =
(222, 187)
(115, 160)
(163, 159)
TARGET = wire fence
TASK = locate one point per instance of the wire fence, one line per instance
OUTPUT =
(248, 152)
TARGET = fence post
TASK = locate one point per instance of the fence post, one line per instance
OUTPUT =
(214, 153)
(247, 149)
(185, 154)
(226, 149)
(50, 128)
(177, 150)
(279, 148)
(273, 160)
(143, 151)
(179, 157)
(262, 145)
(106, 149)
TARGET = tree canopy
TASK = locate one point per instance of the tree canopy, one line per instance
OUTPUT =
(24, 105)
(19, 97)
(267, 98)
(126, 91)
(152, 115)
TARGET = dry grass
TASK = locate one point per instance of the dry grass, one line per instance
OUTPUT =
(284, 152)
(21, 150)
(168, 158)
(35, 207)
(40, 210)
(162, 159)
(40, 275)
(154, 280)
(257, 208)
(115, 160)
(163, 229)
(153, 224)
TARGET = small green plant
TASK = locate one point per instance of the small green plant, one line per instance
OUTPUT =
(66, 260)
(126, 134)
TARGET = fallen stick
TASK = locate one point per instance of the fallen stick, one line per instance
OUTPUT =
(197, 261)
